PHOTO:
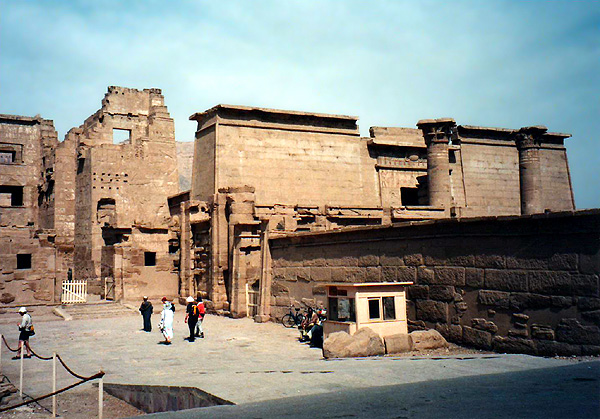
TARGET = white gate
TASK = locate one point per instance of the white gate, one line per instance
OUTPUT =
(252, 298)
(74, 292)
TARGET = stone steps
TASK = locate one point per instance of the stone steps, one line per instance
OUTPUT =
(95, 311)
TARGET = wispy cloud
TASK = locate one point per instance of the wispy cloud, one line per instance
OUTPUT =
(499, 63)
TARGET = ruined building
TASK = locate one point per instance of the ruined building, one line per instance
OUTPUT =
(282, 202)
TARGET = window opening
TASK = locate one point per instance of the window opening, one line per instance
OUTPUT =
(389, 308)
(11, 196)
(7, 157)
(374, 312)
(121, 136)
(409, 196)
(24, 261)
(341, 309)
(149, 258)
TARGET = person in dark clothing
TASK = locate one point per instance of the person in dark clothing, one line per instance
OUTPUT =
(146, 310)
(191, 317)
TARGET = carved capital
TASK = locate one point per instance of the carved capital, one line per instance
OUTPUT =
(529, 137)
(437, 130)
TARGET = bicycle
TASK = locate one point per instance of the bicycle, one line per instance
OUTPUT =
(291, 320)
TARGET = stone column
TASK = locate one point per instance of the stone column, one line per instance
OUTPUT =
(528, 140)
(437, 134)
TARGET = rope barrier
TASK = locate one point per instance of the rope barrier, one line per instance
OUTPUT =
(6, 343)
(54, 393)
(69, 370)
(43, 358)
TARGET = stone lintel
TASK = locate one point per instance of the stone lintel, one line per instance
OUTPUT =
(277, 119)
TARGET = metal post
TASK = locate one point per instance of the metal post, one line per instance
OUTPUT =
(21, 373)
(1, 336)
(100, 395)
(54, 384)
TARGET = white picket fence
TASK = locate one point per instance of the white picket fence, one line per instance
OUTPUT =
(74, 292)
(252, 299)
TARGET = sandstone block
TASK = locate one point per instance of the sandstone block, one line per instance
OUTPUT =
(587, 303)
(483, 324)
(425, 275)
(433, 311)
(571, 331)
(397, 344)
(552, 348)
(418, 292)
(451, 332)
(589, 264)
(320, 274)
(391, 260)
(413, 260)
(416, 325)
(513, 345)
(592, 316)
(427, 339)
(6, 298)
(373, 274)
(520, 332)
(505, 280)
(441, 292)
(489, 261)
(550, 283)
(348, 274)
(586, 285)
(368, 260)
(542, 331)
(523, 301)
(477, 338)
(561, 302)
(522, 263)
(493, 298)
(590, 350)
(565, 262)
(365, 342)
(449, 276)
(406, 274)
(474, 277)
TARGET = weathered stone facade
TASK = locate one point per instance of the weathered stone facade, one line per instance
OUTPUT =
(110, 203)
(511, 284)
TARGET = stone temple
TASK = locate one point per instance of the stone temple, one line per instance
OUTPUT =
(271, 205)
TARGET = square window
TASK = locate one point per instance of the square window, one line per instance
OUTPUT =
(149, 258)
(374, 312)
(24, 261)
(11, 196)
(389, 308)
(7, 157)
(121, 136)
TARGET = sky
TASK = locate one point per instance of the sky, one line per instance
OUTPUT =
(494, 63)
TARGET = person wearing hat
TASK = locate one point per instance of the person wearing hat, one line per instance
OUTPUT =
(146, 310)
(191, 317)
(199, 333)
(24, 333)
(166, 321)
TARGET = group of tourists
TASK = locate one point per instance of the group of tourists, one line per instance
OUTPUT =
(194, 315)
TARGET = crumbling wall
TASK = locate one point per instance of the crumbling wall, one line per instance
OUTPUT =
(513, 284)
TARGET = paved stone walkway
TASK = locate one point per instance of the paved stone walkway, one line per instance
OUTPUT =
(239, 360)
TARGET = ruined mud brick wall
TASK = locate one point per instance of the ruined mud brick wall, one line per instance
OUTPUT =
(25, 161)
(27, 266)
(510, 284)
(288, 157)
(125, 184)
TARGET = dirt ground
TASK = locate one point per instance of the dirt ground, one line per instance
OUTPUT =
(76, 404)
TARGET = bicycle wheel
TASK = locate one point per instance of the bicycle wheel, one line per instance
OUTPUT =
(288, 321)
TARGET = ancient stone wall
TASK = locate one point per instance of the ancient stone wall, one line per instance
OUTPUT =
(126, 168)
(511, 284)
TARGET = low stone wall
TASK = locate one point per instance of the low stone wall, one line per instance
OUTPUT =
(510, 284)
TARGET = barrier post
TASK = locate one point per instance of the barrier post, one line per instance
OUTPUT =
(54, 384)
(100, 396)
(1, 338)
(21, 372)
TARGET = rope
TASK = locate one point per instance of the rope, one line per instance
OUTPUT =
(6, 343)
(70, 371)
(5, 378)
(45, 396)
(43, 358)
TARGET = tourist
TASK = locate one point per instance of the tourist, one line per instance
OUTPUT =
(146, 310)
(201, 311)
(166, 321)
(25, 331)
(191, 316)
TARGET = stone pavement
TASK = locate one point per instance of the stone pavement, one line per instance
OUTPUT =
(239, 360)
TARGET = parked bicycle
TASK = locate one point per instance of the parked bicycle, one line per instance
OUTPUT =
(292, 319)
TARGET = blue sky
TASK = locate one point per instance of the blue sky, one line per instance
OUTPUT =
(391, 63)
